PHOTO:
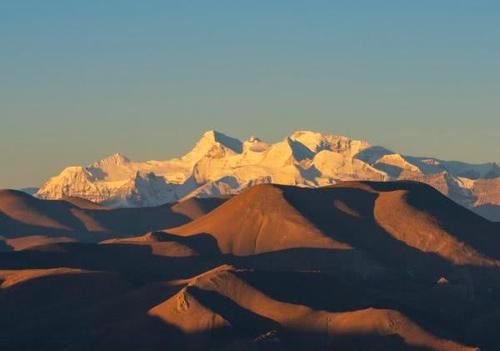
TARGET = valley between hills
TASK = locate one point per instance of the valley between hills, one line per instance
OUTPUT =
(357, 265)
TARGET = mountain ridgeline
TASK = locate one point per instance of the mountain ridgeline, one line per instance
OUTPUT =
(317, 242)
(222, 165)
(356, 265)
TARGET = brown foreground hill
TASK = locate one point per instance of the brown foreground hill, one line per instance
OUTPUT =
(355, 266)
(27, 221)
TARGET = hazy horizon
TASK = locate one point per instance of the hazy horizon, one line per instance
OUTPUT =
(81, 81)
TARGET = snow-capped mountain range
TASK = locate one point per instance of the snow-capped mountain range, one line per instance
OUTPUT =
(222, 165)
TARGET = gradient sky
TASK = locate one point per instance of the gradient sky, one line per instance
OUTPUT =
(83, 79)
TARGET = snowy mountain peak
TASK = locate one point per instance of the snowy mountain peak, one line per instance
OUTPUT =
(214, 137)
(219, 164)
(209, 142)
(308, 135)
(116, 158)
(316, 142)
(73, 170)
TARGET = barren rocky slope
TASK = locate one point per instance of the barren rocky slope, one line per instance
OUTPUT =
(353, 266)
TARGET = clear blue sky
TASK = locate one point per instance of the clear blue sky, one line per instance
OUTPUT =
(83, 79)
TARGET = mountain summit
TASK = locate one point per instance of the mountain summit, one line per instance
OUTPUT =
(210, 141)
(222, 165)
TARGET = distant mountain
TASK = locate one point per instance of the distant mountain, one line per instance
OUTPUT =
(222, 165)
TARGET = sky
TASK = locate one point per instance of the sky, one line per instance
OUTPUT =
(80, 80)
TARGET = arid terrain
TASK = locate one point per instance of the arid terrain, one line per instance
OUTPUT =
(250, 175)
(352, 266)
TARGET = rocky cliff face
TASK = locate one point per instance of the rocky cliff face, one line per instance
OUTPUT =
(221, 165)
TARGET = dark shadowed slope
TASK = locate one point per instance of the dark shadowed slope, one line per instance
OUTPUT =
(84, 203)
(356, 266)
(256, 221)
(197, 207)
(396, 222)
(102, 294)
(220, 303)
(404, 217)
(165, 244)
(26, 221)
(489, 211)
